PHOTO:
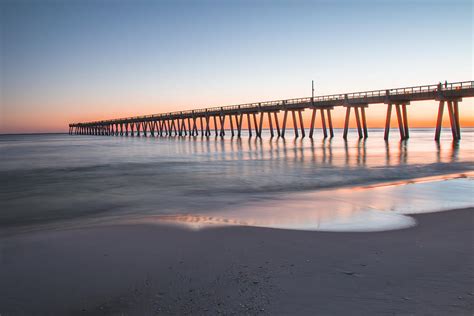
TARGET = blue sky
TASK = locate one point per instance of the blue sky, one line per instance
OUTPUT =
(65, 61)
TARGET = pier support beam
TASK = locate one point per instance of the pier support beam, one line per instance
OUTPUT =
(311, 127)
(346, 122)
(387, 121)
(456, 118)
(231, 125)
(452, 120)
(283, 126)
(222, 121)
(359, 110)
(174, 123)
(324, 112)
(275, 115)
(166, 127)
(301, 123)
(207, 131)
(260, 124)
(145, 127)
(359, 127)
(270, 124)
(364, 122)
(249, 125)
(405, 121)
(152, 128)
(160, 128)
(255, 124)
(453, 112)
(295, 123)
(331, 130)
(323, 123)
(239, 124)
(215, 124)
(137, 126)
(170, 127)
(402, 119)
(180, 128)
(195, 129)
(201, 126)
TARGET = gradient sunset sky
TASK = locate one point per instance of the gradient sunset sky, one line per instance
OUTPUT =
(70, 61)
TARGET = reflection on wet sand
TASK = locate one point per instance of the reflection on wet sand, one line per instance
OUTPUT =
(366, 208)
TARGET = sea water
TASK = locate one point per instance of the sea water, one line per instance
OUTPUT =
(57, 180)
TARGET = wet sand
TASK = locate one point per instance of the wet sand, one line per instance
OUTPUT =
(145, 269)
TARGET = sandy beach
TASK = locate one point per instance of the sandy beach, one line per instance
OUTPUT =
(158, 269)
(199, 157)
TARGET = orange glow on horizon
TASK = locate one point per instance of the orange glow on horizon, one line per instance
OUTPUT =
(420, 115)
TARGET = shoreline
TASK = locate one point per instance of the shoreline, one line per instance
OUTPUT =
(136, 270)
(220, 219)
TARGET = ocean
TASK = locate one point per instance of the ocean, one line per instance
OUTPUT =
(52, 181)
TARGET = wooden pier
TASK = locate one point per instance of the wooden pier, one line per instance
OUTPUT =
(198, 122)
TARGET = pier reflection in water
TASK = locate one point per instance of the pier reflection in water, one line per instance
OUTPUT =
(326, 151)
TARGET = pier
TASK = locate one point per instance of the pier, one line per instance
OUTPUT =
(209, 121)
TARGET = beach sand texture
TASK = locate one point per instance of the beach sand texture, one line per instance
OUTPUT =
(137, 270)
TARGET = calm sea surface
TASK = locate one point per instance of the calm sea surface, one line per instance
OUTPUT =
(57, 180)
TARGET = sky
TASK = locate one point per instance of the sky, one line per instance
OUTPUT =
(73, 61)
